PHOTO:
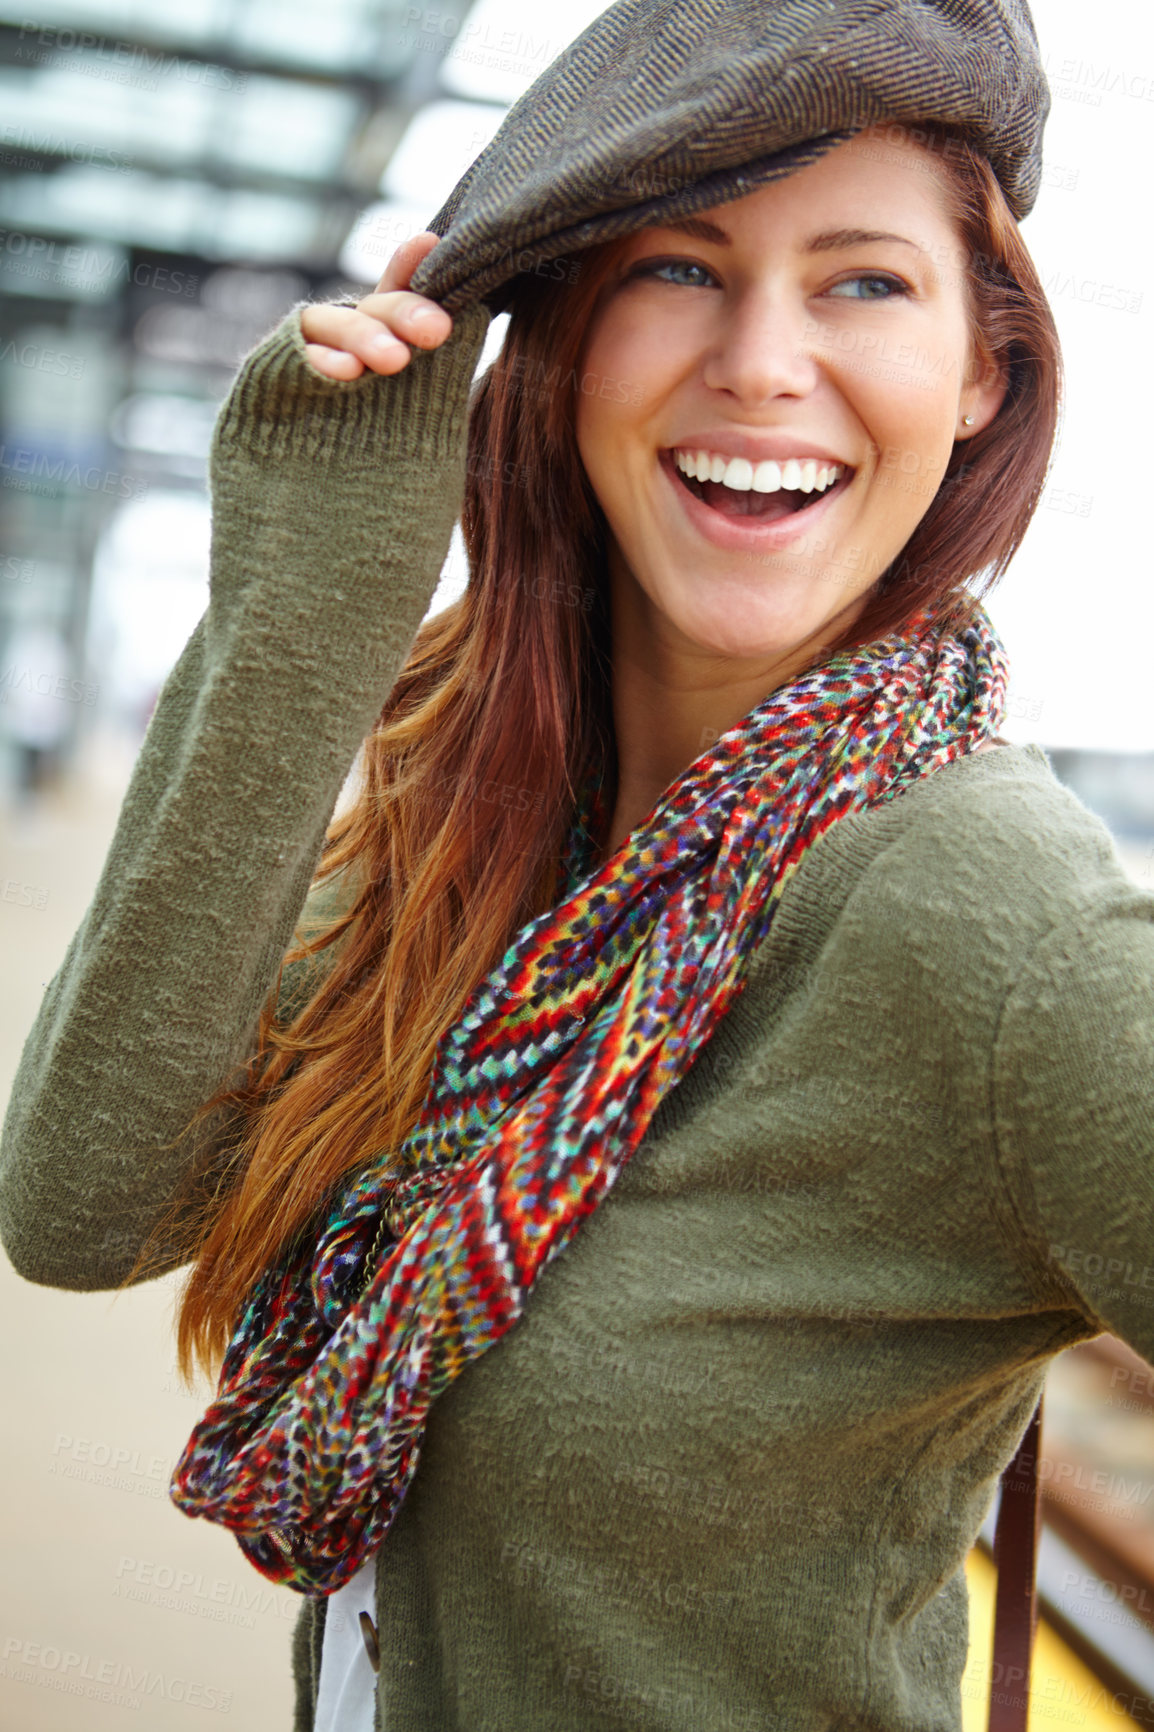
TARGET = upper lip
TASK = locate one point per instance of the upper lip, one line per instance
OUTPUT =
(758, 448)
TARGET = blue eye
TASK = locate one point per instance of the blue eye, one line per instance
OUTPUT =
(659, 268)
(875, 288)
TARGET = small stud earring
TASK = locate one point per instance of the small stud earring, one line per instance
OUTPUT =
(967, 420)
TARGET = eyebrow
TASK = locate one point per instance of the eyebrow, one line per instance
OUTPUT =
(834, 239)
(831, 240)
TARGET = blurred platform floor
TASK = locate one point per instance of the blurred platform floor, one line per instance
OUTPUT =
(116, 1611)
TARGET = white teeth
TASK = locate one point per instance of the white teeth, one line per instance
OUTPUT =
(804, 475)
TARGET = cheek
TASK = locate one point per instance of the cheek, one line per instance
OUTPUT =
(902, 379)
(614, 385)
(911, 420)
(595, 441)
(631, 363)
(615, 346)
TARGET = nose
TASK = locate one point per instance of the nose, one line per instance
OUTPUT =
(762, 350)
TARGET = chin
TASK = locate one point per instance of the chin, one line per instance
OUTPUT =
(755, 628)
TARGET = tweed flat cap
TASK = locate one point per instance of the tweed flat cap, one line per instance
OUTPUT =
(664, 107)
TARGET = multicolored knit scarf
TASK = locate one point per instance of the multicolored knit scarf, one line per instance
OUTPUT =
(539, 1095)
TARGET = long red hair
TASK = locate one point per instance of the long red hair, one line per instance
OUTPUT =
(453, 840)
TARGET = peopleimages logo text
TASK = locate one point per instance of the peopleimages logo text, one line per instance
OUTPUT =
(86, 261)
(128, 60)
(21, 461)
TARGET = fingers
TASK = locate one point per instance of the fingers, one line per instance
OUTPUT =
(335, 363)
(377, 334)
(380, 332)
(342, 342)
(411, 317)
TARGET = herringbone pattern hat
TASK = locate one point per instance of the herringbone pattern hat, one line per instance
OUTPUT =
(664, 107)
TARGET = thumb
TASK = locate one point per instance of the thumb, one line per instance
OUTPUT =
(399, 270)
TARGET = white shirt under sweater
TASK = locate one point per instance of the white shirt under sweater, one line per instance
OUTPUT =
(347, 1682)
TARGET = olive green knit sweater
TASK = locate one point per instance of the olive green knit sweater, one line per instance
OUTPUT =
(725, 1470)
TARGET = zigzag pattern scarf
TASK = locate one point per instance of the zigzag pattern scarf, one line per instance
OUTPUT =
(539, 1095)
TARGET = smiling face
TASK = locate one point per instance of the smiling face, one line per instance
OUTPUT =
(782, 380)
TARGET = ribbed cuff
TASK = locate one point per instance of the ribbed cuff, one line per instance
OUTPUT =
(281, 408)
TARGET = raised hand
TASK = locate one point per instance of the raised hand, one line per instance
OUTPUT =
(377, 332)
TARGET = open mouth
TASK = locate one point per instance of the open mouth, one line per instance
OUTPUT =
(761, 491)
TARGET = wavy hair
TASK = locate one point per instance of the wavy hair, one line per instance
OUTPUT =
(453, 839)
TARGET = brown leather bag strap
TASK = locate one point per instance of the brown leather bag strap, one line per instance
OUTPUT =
(1016, 1605)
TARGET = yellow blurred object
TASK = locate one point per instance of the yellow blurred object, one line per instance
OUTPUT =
(1063, 1691)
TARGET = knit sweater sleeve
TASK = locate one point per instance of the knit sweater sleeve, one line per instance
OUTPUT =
(333, 506)
(1074, 1111)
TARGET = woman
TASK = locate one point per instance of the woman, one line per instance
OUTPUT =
(691, 919)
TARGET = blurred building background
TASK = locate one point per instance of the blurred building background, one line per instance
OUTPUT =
(174, 175)
(172, 179)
